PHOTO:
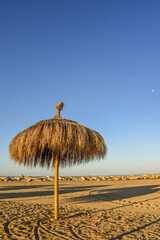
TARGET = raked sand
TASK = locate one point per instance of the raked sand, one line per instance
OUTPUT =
(88, 210)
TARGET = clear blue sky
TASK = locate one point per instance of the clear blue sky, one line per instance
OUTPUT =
(102, 58)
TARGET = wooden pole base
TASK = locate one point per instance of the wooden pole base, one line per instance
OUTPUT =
(56, 189)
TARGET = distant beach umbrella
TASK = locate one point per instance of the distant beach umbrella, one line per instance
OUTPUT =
(56, 142)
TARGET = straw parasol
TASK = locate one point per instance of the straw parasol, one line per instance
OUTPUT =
(56, 142)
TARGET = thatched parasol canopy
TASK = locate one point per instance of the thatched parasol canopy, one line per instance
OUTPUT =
(71, 142)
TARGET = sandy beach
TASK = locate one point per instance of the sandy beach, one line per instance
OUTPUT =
(88, 210)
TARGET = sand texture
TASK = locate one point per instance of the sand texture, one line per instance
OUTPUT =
(88, 210)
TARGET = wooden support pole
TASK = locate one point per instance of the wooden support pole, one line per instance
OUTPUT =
(56, 188)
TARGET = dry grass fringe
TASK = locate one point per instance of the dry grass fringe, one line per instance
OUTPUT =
(71, 142)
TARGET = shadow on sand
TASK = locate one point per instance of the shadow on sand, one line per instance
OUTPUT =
(116, 194)
(93, 193)
(9, 188)
(39, 192)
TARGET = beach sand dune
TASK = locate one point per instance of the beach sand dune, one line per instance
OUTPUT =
(88, 210)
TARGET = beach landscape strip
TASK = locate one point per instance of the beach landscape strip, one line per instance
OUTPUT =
(81, 178)
(89, 209)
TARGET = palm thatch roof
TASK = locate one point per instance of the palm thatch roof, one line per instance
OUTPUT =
(71, 142)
